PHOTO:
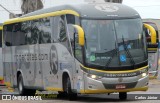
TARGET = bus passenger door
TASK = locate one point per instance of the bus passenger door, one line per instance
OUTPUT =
(75, 51)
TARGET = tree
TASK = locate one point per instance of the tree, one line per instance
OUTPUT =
(31, 5)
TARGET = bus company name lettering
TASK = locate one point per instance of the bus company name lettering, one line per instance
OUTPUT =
(31, 57)
(121, 74)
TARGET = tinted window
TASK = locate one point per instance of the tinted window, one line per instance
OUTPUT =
(31, 31)
(8, 35)
(26, 29)
(45, 33)
(18, 37)
(62, 29)
(70, 19)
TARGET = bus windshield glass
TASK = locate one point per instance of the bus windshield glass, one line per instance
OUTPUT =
(114, 43)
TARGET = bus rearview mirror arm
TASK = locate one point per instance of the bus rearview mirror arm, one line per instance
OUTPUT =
(153, 33)
(80, 34)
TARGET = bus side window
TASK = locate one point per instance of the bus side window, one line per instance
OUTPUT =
(70, 22)
(31, 31)
(70, 30)
(18, 37)
(35, 31)
(45, 33)
(26, 28)
(54, 29)
(70, 19)
(8, 35)
(62, 29)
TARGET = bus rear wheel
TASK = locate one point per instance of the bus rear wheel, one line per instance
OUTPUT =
(23, 91)
(122, 95)
(21, 85)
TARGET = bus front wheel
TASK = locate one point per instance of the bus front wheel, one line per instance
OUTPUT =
(122, 95)
(67, 88)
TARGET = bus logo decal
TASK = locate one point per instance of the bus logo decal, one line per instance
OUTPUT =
(53, 59)
(106, 8)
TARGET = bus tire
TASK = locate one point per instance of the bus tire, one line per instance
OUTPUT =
(31, 92)
(71, 95)
(61, 94)
(122, 95)
(21, 88)
(23, 91)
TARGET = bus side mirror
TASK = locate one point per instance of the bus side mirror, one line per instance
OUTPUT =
(152, 38)
(80, 34)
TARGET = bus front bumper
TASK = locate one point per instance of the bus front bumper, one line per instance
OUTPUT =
(99, 91)
(108, 85)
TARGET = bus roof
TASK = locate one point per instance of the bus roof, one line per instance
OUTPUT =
(91, 10)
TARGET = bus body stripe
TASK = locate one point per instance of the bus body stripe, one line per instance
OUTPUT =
(57, 13)
(116, 72)
(53, 89)
(152, 49)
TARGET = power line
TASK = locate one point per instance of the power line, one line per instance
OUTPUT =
(10, 10)
(6, 9)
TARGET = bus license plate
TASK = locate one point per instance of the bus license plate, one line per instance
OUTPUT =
(120, 86)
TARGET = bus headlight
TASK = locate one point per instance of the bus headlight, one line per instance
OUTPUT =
(94, 76)
(144, 74)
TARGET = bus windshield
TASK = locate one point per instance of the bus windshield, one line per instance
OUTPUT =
(114, 43)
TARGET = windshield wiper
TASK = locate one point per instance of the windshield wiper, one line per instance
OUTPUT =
(127, 51)
(112, 55)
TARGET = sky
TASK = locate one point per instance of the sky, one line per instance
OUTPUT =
(146, 8)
